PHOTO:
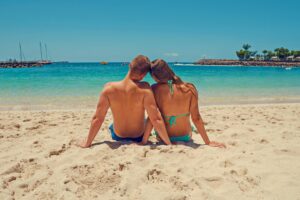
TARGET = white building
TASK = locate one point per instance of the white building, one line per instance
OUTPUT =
(274, 58)
(290, 58)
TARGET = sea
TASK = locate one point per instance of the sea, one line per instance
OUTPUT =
(78, 85)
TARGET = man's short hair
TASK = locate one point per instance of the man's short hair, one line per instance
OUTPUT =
(140, 65)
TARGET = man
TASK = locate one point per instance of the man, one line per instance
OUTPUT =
(128, 100)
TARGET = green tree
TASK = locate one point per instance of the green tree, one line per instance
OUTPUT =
(269, 55)
(265, 52)
(295, 53)
(245, 53)
(240, 54)
(282, 53)
(246, 47)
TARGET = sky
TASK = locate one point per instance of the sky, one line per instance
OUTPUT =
(118, 30)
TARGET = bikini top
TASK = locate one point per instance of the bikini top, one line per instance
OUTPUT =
(171, 120)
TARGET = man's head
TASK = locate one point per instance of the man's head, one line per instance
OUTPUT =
(139, 67)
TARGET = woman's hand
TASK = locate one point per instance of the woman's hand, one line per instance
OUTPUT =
(142, 143)
(216, 144)
(83, 144)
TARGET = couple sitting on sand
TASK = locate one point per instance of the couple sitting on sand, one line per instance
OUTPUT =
(169, 104)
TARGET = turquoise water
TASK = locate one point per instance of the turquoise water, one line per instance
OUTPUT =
(80, 83)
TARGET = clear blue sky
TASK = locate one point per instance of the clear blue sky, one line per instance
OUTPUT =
(117, 30)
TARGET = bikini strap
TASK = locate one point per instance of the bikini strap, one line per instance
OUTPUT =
(170, 84)
(172, 119)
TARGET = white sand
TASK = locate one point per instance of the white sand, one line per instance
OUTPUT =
(39, 159)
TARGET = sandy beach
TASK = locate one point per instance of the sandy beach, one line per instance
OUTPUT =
(39, 158)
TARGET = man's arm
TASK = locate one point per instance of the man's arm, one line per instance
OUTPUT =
(147, 132)
(155, 116)
(98, 118)
(198, 122)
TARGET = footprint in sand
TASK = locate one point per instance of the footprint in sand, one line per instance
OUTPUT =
(24, 170)
(123, 166)
(244, 181)
(17, 168)
(88, 177)
(248, 183)
(178, 184)
(155, 175)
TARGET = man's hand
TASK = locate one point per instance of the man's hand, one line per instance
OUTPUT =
(216, 144)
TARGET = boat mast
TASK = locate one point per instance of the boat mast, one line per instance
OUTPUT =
(41, 52)
(46, 51)
(20, 51)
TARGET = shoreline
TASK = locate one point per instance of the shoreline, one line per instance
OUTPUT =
(20, 108)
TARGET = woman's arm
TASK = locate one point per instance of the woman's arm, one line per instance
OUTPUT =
(147, 132)
(198, 122)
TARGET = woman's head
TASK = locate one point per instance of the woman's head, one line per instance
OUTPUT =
(161, 72)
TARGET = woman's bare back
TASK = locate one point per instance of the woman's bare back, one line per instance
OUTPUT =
(176, 104)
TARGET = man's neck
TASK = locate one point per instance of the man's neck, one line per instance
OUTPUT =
(128, 78)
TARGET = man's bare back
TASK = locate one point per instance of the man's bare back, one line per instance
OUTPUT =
(126, 99)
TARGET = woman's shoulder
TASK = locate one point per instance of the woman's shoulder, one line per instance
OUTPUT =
(159, 87)
(190, 89)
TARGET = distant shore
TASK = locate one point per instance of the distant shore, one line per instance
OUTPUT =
(248, 63)
(24, 64)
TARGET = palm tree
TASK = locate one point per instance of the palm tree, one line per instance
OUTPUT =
(241, 54)
(265, 54)
(246, 47)
(245, 54)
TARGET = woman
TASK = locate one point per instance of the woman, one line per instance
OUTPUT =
(177, 101)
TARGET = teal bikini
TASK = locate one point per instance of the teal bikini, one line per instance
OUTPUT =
(171, 120)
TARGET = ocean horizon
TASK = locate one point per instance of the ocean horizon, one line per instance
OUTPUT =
(69, 85)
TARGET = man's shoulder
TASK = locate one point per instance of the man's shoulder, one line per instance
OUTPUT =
(144, 85)
(109, 86)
